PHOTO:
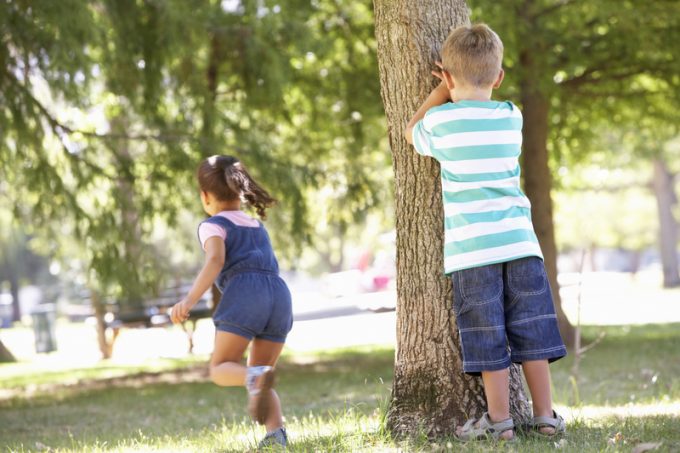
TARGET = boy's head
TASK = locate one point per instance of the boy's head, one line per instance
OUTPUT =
(473, 55)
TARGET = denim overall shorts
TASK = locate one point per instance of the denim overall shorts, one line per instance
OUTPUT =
(255, 302)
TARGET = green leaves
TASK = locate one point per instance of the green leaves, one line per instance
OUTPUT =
(106, 109)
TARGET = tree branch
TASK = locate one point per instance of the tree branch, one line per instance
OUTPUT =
(559, 4)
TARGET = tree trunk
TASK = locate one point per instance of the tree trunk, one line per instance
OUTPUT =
(5, 354)
(538, 180)
(668, 225)
(105, 347)
(14, 291)
(430, 391)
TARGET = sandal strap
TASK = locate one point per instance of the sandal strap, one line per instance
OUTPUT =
(556, 422)
(498, 427)
(485, 428)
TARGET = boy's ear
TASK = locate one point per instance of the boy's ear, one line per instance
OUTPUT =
(448, 79)
(499, 80)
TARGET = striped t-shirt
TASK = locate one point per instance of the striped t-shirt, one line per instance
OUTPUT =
(487, 217)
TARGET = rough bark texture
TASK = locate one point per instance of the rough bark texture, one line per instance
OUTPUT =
(430, 393)
(5, 354)
(537, 177)
(668, 225)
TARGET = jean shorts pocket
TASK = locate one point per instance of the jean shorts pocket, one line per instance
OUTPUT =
(479, 286)
(527, 277)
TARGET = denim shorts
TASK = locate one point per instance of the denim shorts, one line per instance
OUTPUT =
(255, 305)
(505, 314)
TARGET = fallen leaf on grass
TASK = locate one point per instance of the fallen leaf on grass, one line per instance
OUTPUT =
(561, 444)
(617, 439)
(648, 446)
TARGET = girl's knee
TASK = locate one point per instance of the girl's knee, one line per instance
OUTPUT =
(224, 378)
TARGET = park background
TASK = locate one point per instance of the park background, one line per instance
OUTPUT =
(107, 107)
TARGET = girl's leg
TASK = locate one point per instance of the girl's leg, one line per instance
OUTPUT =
(226, 368)
(264, 352)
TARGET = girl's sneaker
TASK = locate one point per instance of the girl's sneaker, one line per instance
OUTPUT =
(278, 437)
(259, 382)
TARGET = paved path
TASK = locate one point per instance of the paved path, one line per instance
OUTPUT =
(327, 323)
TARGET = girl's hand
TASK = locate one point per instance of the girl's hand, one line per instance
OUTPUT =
(180, 311)
(439, 74)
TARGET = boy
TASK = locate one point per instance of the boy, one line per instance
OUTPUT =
(501, 293)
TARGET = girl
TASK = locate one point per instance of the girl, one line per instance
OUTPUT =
(255, 308)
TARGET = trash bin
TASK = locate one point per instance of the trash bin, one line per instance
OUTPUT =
(44, 323)
(6, 311)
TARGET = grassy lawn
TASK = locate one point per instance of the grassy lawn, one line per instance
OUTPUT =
(334, 401)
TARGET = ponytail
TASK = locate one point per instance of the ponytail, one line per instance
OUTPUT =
(239, 181)
(228, 179)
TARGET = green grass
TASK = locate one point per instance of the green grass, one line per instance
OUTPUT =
(333, 401)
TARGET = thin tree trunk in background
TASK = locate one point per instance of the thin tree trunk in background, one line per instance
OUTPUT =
(538, 180)
(430, 391)
(99, 312)
(664, 192)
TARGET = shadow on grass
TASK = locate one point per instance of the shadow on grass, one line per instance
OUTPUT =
(333, 402)
(633, 364)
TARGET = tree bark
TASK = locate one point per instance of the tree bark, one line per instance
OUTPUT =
(537, 178)
(668, 225)
(6, 354)
(430, 392)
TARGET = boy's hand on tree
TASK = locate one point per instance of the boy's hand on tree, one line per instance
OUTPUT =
(439, 74)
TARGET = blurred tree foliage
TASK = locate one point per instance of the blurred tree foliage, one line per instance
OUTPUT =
(107, 107)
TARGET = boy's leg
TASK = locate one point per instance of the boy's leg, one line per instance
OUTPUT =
(532, 330)
(496, 388)
(226, 368)
(266, 353)
(537, 374)
(478, 305)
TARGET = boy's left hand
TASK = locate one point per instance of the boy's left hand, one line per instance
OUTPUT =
(439, 74)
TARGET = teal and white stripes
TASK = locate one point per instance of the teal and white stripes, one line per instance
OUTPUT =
(487, 216)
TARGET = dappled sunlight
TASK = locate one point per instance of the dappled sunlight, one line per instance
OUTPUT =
(588, 412)
(619, 298)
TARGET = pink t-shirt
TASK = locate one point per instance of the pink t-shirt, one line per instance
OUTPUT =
(207, 230)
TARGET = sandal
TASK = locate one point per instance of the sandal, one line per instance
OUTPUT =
(273, 439)
(485, 429)
(556, 422)
(259, 382)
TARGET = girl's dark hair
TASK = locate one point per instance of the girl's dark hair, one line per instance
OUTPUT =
(227, 179)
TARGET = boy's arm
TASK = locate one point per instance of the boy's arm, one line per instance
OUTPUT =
(438, 96)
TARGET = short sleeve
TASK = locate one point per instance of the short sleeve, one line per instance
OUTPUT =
(422, 139)
(207, 230)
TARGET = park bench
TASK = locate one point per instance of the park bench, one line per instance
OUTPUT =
(156, 313)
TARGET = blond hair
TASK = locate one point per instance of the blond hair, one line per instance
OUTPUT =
(473, 54)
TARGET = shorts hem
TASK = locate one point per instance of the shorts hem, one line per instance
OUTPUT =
(272, 337)
(550, 354)
(476, 368)
(233, 328)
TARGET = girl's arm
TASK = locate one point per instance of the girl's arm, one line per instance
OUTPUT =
(214, 261)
